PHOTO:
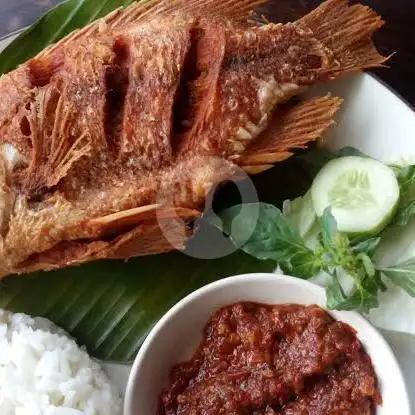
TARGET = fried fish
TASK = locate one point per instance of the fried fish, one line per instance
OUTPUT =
(110, 136)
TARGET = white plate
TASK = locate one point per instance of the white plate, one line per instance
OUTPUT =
(378, 122)
(176, 336)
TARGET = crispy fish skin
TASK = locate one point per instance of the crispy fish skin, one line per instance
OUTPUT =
(105, 135)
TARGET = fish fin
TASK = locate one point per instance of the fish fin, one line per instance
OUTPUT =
(347, 31)
(152, 236)
(234, 9)
(65, 121)
(252, 170)
(61, 153)
(148, 239)
(125, 217)
(130, 217)
(143, 10)
(292, 127)
(89, 30)
(63, 159)
(119, 17)
(270, 157)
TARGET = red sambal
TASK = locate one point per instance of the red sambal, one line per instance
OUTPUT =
(258, 359)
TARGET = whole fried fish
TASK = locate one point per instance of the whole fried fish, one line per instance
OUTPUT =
(119, 130)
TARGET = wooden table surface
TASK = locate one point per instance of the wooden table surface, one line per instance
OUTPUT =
(398, 35)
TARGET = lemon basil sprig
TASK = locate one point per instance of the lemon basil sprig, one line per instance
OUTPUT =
(306, 246)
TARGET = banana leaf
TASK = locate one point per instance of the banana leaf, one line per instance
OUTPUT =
(109, 306)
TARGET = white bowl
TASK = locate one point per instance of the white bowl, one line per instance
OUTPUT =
(176, 336)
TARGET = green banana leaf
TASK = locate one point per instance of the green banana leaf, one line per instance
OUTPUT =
(110, 306)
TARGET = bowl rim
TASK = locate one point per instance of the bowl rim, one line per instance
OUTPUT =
(240, 278)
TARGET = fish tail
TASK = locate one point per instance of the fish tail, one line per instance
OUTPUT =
(292, 127)
(347, 31)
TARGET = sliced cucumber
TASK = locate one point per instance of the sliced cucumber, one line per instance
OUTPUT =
(362, 193)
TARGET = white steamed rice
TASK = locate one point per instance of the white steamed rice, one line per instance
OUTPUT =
(44, 372)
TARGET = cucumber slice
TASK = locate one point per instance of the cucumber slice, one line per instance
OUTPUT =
(363, 194)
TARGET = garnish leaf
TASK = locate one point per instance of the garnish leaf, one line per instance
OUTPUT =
(406, 179)
(367, 264)
(404, 214)
(328, 229)
(355, 261)
(406, 209)
(402, 275)
(362, 297)
(378, 278)
(368, 246)
(334, 292)
(262, 231)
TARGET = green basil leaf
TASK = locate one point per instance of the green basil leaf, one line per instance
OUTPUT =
(110, 306)
(378, 278)
(402, 275)
(367, 246)
(361, 298)
(367, 264)
(406, 209)
(261, 230)
(406, 178)
(404, 214)
(328, 228)
(335, 294)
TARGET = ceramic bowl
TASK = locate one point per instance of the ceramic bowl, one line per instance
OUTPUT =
(176, 336)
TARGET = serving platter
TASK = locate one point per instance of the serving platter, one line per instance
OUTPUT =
(378, 122)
